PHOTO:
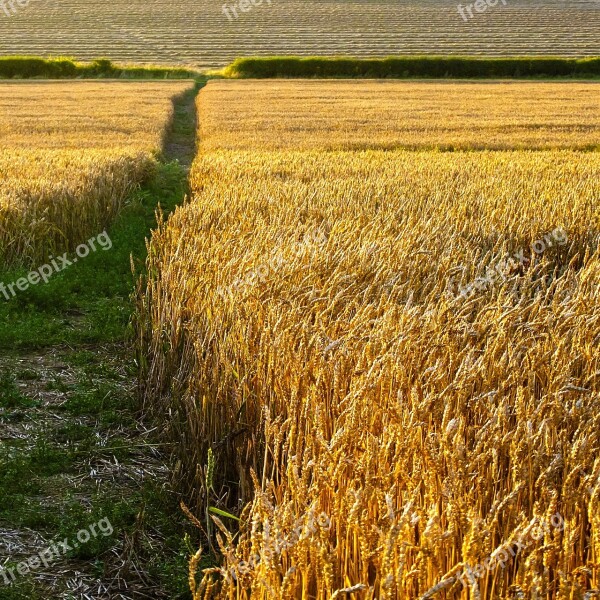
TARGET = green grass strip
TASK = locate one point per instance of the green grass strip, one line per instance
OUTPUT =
(33, 67)
(405, 67)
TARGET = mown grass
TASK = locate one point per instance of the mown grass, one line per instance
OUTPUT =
(86, 306)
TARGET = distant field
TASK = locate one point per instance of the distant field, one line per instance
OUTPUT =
(384, 114)
(386, 361)
(85, 114)
(198, 33)
(69, 155)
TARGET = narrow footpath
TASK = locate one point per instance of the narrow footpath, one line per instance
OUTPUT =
(86, 511)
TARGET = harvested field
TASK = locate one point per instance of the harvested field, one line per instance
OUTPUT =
(384, 362)
(199, 33)
(70, 153)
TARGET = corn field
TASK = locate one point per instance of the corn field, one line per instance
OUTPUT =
(70, 155)
(379, 432)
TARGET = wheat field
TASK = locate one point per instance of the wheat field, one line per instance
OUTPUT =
(342, 115)
(199, 32)
(70, 154)
(385, 363)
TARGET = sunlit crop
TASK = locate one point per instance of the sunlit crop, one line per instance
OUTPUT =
(377, 432)
(449, 115)
(70, 154)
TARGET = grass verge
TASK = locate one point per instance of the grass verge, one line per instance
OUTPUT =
(89, 302)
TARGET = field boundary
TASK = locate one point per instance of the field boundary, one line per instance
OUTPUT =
(315, 67)
(35, 67)
(413, 67)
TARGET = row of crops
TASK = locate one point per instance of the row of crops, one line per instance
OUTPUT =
(207, 34)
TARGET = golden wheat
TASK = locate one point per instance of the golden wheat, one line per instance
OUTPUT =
(381, 432)
(342, 115)
(70, 154)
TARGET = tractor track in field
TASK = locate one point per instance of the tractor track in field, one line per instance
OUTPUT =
(78, 463)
